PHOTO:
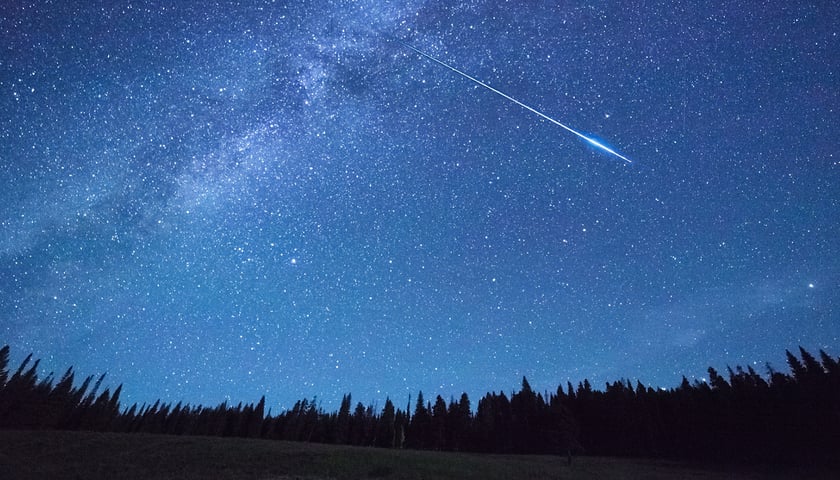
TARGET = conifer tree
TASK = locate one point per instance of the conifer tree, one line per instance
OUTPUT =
(342, 429)
(799, 372)
(524, 408)
(4, 366)
(458, 424)
(385, 428)
(18, 400)
(812, 367)
(400, 425)
(255, 419)
(831, 366)
(420, 426)
(359, 425)
(437, 436)
(716, 381)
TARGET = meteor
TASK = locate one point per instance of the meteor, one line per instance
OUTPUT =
(591, 141)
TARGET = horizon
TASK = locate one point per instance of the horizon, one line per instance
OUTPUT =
(331, 405)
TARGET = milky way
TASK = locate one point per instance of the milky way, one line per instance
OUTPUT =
(215, 201)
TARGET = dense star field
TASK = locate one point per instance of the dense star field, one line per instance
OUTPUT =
(220, 200)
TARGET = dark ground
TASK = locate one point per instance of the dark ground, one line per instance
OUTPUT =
(42, 455)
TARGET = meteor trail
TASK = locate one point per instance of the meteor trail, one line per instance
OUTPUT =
(591, 141)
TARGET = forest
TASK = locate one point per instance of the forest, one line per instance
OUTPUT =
(739, 417)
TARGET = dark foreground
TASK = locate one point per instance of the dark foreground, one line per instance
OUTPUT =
(83, 455)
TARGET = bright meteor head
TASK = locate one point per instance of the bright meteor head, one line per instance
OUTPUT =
(607, 149)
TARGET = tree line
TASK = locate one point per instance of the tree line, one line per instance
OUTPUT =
(740, 417)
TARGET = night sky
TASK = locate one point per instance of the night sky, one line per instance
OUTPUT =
(212, 200)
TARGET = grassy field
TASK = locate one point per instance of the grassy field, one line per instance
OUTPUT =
(86, 456)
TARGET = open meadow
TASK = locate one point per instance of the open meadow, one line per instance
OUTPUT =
(41, 455)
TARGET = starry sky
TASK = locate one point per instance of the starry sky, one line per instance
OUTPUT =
(221, 200)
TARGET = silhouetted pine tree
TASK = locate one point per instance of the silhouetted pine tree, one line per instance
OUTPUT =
(400, 425)
(361, 425)
(484, 426)
(524, 408)
(437, 433)
(493, 424)
(255, 422)
(813, 368)
(831, 366)
(796, 366)
(562, 421)
(342, 428)
(53, 405)
(18, 405)
(4, 367)
(419, 430)
(100, 414)
(175, 422)
(459, 424)
(386, 426)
